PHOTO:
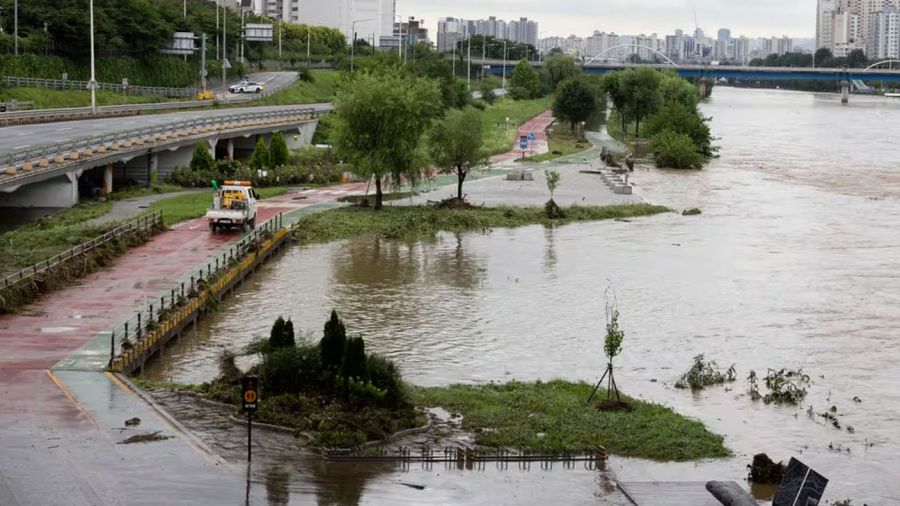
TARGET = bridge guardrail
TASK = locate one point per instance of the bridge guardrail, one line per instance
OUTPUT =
(16, 105)
(22, 164)
(145, 222)
(72, 112)
(59, 84)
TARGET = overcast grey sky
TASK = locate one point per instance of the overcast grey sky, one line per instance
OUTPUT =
(753, 18)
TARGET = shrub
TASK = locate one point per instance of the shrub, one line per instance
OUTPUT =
(282, 334)
(202, 159)
(334, 340)
(306, 76)
(259, 160)
(353, 364)
(385, 375)
(278, 371)
(675, 151)
(278, 151)
(288, 410)
(228, 371)
(681, 120)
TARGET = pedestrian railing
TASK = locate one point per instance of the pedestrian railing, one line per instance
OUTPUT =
(140, 333)
(146, 222)
(60, 84)
(22, 164)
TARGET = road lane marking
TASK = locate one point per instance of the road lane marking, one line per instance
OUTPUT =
(22, 147)
(55, 379)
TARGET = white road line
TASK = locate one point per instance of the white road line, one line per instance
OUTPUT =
(63, 129)
(22, 147)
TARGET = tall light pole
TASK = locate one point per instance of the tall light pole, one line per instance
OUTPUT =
(308, 42)
(16, 27)
(185, 9)
(504, 64)
(353, 45)
(469, 67)
(93, 82)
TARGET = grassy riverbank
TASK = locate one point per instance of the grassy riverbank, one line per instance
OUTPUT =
(194, 205)
(415, 222)
(45, 98)
(321, 89)
(554, 416)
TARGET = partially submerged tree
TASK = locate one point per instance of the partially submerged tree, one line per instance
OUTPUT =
(456, 145)
(379, 121)
(641, 90)
(552, 210)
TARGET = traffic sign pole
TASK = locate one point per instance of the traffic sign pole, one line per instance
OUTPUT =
(250, 401)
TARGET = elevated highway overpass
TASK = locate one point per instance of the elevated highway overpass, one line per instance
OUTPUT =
(43, 165)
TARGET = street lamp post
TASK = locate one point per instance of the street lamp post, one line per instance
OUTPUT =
(16, 27)
(469, 66)
(504, 64)
(308, 42)
(353, 45)
(93, 82)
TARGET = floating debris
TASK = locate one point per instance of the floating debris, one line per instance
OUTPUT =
(149, 437)
(765, 471)
(703, 374)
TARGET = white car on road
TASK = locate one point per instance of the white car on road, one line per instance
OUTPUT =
(246, 87)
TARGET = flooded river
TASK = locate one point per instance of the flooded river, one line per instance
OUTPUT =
(795, 262)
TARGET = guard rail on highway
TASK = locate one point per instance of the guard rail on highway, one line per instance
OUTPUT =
(16, 105)
(59, 84)
(145, 222)
(23, 163)
(71, 113)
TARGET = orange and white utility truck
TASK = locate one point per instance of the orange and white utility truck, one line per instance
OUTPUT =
(234, 205)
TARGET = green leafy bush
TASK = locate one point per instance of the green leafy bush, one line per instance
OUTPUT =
(278, 372)
(278, 151)
(202, 159)
(260, 160)
(675, 151)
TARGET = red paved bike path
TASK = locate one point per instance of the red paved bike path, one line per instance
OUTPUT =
(52, 422)
(537, 126)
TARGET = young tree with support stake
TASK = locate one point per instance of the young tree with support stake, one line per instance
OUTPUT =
(612, 347)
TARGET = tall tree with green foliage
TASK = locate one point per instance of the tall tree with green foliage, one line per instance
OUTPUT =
(560, 68)
(612, 85)
(380, 118)
(259, 160)
(279, 155)
(524, 82)
(456, 144)
(334, 340)
(678, 118)
(574, 102)
(674, 89)
(202, 159)
(641, 90)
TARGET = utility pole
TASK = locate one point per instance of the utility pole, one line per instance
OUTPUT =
(280, 29)
(308, 41)
(454, 59)
(185, 9)
(504, 64)
(93, 83)
(469, 67)
(203, 63)
(225, 64)
(16, 27)
(218, 35)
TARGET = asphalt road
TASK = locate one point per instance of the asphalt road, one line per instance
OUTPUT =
(271, 81)
(20, 137)
(15, 138)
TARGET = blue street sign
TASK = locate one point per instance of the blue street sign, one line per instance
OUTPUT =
(523, 142)
(531, 137)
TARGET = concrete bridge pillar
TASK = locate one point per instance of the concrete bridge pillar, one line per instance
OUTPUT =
(108, 179)
(212, 147)
(703, 87)
(845, 91)
(152, 168)
(229, 149)
(170, 159)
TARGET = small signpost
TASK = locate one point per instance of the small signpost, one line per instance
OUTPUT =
(531, 137)
(523, 144)
(250, 401)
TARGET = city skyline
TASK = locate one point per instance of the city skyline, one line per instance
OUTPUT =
(752, 18)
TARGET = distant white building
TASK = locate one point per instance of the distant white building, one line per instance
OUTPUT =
(374, 18)
(883, 42)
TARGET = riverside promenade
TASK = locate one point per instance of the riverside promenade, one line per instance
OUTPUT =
(62, 419)
(537, 126)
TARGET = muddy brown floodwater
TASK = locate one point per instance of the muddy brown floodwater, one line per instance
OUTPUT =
(795, 262)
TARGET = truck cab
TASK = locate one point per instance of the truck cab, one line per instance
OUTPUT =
(234, 205)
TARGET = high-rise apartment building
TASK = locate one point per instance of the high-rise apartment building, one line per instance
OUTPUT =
(883, 42)
(450, 30)
(845, 25)
(374, 18)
